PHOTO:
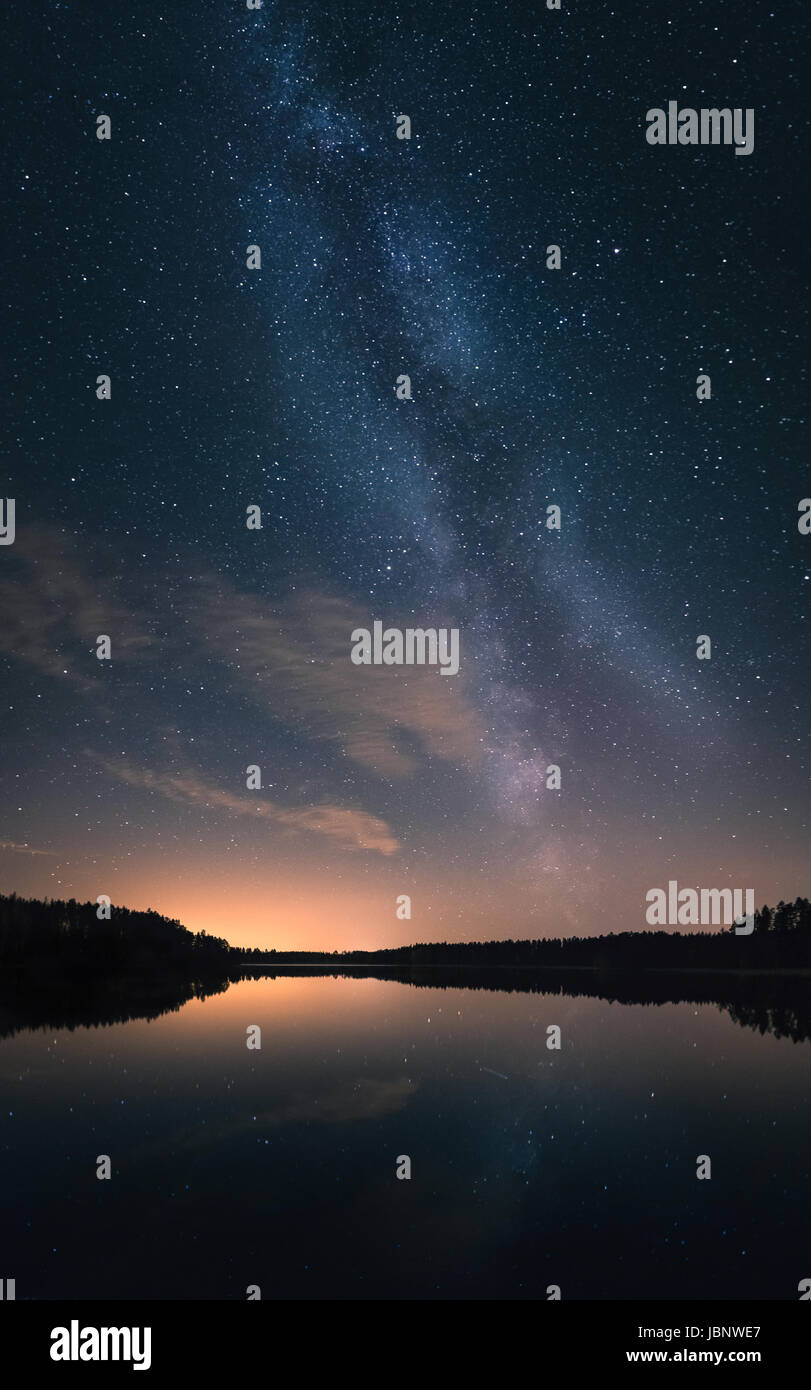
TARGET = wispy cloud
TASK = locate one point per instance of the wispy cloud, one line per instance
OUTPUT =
(293, 659)
(352, 827)
(290, 657)
(26, 849)
(53, 610)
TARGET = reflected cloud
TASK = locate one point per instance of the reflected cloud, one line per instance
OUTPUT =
(347, 1102)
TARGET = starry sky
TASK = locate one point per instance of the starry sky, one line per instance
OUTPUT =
(276, 388)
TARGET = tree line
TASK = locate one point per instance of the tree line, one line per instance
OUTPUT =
(781, 939)
(55, 937)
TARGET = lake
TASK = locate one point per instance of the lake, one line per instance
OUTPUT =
(530, 1167)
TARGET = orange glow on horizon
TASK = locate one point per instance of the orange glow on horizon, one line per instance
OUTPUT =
(314, 904)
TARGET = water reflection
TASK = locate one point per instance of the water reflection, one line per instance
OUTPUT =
(770, 1002)
(530, 1166)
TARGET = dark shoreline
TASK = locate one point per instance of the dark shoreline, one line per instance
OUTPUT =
(340, 966)
(776, 1001)
(63, 965)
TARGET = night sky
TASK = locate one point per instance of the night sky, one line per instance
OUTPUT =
(275, 388)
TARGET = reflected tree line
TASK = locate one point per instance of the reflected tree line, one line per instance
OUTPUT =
(63, 966)
(774, 1003)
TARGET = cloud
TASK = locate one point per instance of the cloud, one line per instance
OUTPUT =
(352, 827)
(293, 659)
(53, 611)
(25, 849)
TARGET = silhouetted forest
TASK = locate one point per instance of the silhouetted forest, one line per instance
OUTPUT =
(62, 966)
(781, 940)
(53, 938)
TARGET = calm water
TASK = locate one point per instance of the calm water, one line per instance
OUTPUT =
(529, 1167)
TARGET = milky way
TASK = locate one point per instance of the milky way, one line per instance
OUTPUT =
(275, 388)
